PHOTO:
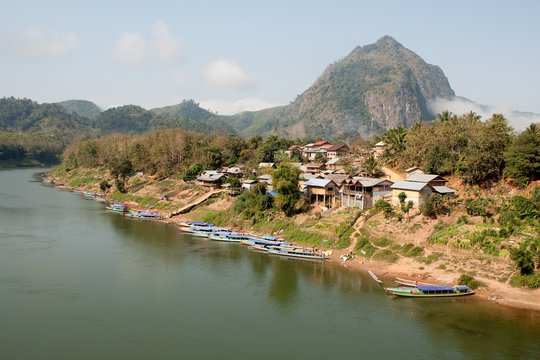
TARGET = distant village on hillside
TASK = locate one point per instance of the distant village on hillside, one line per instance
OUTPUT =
(325, 182)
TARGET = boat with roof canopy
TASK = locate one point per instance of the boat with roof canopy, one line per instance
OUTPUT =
(429, 291)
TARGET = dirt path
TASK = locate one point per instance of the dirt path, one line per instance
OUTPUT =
(198, 201)
(357, 226)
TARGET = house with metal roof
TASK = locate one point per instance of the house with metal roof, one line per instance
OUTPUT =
(248, 184)
(432, 180)
(363, 192)
(336, 151)
(416, 191)
(210, 178)
(322, 191)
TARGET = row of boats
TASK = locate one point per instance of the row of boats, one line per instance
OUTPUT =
(260, 243)
(417, 289)
(278, 246)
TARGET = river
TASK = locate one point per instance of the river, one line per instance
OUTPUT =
(77, 282)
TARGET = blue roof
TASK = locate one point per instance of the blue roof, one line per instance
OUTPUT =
(462, 287)
(435, 287)
(271, 192)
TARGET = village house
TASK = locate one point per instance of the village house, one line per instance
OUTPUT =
(363, 192)
(337, 151)
(416, 192)
(315, 168)
(322, 191)
(268, 165)
(311, 153)
(378, 149)
(210, 178)
(418, 186)
(234, 172)
(333, 165)
(304, 178)
(249, 184)
(413, 171)
(267, 179)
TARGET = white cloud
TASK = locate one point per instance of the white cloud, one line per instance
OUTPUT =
(134, 50)
(459, 105)
(163, 44)
(223, 107)
(228, 74)
(38, 44)
(131, 49)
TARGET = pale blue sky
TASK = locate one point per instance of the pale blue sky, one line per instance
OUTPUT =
(233, 55)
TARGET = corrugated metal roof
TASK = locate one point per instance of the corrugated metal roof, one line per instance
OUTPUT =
(444, 190)
(305, 176)
(333, 161)
(409, 185)
(319, 182)
(423, 177)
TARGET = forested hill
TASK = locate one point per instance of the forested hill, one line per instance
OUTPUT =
(130, 119)
(33, 134)
(374, 88)
(81, 107)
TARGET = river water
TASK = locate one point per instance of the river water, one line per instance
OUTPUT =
(79, 283)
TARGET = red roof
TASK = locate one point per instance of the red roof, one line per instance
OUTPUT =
(292, 147)
(320, 143)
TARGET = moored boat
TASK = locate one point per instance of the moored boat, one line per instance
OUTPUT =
(206, 232)
(188, 224)
(305, 253)
(228, 237)
(117, 207)
(429, 291)
(143, 215)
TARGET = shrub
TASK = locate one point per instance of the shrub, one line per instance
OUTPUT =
(381, 242)
(427, 209)
(384, 206)
(386, 255)
(104, 185)
(469, 281)
(531, 281)
(345, 239)
(364, 244)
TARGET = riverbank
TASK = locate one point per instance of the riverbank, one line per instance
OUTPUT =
(438, 271)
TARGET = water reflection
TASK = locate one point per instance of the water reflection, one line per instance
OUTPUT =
(143, 289)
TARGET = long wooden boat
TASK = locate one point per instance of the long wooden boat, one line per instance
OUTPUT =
(375, 277)
(296, 253)
(188, 224)
(430, 291)
(206, 232)
(117, 208)
(143, 215)
(228, 237)
(411, 283)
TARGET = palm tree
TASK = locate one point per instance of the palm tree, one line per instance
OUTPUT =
(395, 143)
(444, 116)
(371, 166)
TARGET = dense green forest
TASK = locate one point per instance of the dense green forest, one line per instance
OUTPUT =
(477, 151)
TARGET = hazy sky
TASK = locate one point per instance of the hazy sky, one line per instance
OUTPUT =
(237, 55)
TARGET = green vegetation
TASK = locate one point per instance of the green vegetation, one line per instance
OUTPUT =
(470, 281)
(386, 255)
(363, 244)
(381, 242)
(477, 151)
(146, 201)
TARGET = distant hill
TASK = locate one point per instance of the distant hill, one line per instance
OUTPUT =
(135, 119)
(33, 134)
(81, 107)
(374, 88)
